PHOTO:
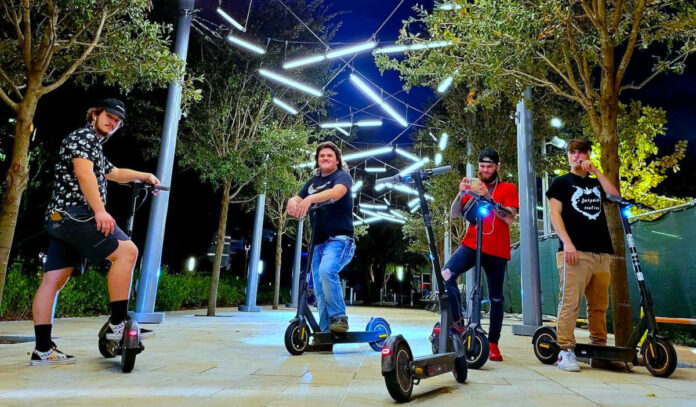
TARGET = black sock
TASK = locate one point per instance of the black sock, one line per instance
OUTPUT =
(119, 311)
(43, 337)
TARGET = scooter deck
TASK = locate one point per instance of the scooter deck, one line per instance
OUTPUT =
(325, 338)
(617, 353)
(433, 365)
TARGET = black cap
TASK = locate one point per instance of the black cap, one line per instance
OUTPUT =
(488, 155)
(115, 106)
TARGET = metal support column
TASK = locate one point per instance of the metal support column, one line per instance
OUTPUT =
(529, 242)
(152, 254)
(253, 279)
(297, 264)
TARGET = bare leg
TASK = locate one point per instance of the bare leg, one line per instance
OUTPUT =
(45, 298)
(121, 271)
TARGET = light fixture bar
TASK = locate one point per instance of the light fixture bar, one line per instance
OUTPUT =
(375, 98)
(245, 44)
(433, 137)
(335, 125)
(342, 131)
(368, 123)
(445, 84)
(303, 61)
(375, 169)
(442, 144)
(231, 20)
(414, 166)
(412, 47)
(408, 155)
(356, 187)
(368, 153)
(405, 189)
(350, 50)
(438, 159)
(285, 106)
(413, 202)
(383, 185)
(397, 214)
(290, 82)
(448, 6)
(373, 206)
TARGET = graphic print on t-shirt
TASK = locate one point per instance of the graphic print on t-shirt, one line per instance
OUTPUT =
(313, 190)
(587, 201)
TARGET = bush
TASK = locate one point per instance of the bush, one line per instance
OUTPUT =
(88, 295)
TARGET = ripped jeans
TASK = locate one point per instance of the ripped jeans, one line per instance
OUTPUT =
(328, 260)
(463, 259)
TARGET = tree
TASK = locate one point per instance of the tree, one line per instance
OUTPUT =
(46, 43)
(579, 50)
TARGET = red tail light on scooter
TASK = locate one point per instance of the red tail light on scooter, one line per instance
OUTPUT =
(386, 351)
(133, 333)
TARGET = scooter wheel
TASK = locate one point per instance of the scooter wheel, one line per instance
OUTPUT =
(296, 339)
(661, 358)
(106, 349)
(476, 349)
(128, 359)
(435, 339)
(545, 348)
(461, 369)
(381, 326)
(399, 381)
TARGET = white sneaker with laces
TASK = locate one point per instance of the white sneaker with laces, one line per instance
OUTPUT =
(567, 361)
(52, 356)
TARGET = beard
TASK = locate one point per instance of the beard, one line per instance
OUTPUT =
(489, 180)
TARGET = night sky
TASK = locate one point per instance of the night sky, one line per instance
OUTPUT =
(192, 220)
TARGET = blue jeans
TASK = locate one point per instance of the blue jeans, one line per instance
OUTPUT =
(462, 260)
(328, 260)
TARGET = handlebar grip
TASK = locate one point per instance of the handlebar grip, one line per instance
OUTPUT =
(396, 179)
(439, 170)
(316, 206)
(160, 188)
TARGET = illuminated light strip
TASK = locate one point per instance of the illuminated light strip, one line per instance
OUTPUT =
(373, 206)
(342, 131)
(356, 187)
(231, 20)
(438, 158)
(408, 155)
(285, 106)
(335, 125)
(413, 47)
(368, 123)
(245, 44)
(368, 153)
(290, 82)
(377, 99)
(351, 50)
(397, 214)
(414, 167)
(303, 61)
(442, 144)
(375, 169)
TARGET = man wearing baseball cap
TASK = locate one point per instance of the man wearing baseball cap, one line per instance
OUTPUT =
(79, 227)
(495, 246)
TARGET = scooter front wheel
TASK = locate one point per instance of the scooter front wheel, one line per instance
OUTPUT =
(661, 358)
(399, 381)
(545, 348)
(296, 339)
(106, 348)
(128, 360)
(476, 349)
(381, 326)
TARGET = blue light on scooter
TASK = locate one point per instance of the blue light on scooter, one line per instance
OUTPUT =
(627, 212)
(483, 210)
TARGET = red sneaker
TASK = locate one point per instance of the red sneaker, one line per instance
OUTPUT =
(494, 353)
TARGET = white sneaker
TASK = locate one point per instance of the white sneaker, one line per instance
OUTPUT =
(567, 362)
(52, 356)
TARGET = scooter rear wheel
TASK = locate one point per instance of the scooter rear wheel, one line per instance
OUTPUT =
(545, 348)
(296, 339)
(661, 359)
(477, 350)
(381, 326)
(399, 381)
(128, 360)
(105, 348)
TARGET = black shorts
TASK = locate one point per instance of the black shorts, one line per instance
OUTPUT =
(75, 237)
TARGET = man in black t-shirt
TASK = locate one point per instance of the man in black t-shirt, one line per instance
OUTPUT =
(333, 232)
(577, 214)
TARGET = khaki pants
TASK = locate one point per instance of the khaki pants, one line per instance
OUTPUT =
(590, 277)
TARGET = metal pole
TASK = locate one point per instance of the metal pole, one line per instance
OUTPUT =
(544, 201)
(253, 280)
(469, 276)
(152, 255)
(296, 265)
(448, 239)
(529, 244)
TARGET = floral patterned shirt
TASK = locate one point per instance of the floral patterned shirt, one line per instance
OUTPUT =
(82, 143)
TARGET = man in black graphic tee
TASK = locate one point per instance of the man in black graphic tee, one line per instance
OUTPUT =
(333, 232)
(577, 214)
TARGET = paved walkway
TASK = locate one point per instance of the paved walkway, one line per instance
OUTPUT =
(238, 359)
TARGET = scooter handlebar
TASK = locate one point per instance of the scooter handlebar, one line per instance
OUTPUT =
(488, 200)
(319, 205)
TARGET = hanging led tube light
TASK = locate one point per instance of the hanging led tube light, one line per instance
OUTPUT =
(368, 123)
(351, 50)
(342, 131)
(373, 206)
(335, 125)
(375, 169)
(448, 6)
(445, 84)
(382, 186)
(356, 187)
(303, 61)
(413, 47)
(231, 20)
(406, 154)
(290, 82)
(442, 144)
(377, 99)
(414, 166)
(234, 40)
(397, 214)
(438, 159)
(368, 153)
(285, 106)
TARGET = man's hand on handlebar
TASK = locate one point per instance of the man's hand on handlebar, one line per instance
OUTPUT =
(303, 207)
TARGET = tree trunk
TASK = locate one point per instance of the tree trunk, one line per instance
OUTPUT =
(279, 256)
(16, 181)
(219, 246)
(620, 298)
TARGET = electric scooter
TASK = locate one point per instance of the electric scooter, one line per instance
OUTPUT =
(659, 355)
(400, 369)
(130, 345)
(304, 334)
(475, 339)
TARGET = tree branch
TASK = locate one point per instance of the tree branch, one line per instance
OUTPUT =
(14, 18)
(8, 101)
(78, 62)
(617, 16)
(26, 43)
(654, 74)
(543, 83)
(10, 82)
(630, 47)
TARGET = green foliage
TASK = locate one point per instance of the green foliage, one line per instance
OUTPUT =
(19, 292)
